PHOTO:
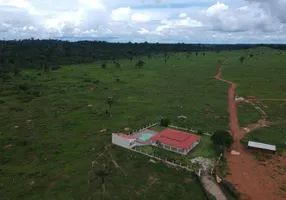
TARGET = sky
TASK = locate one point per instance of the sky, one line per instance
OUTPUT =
(172, 21)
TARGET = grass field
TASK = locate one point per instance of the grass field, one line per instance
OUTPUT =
(247, 114)
(50, 122)
(274, 135)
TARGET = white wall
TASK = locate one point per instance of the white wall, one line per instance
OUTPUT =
(121, 141)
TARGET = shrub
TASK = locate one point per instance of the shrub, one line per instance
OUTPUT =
(165, 122)
(23, 87)
(227, 185)
(96, 82)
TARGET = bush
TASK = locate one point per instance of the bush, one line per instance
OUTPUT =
(200, 132)
(165, 122)
(23, 87)
(228, 186)
(96, 82)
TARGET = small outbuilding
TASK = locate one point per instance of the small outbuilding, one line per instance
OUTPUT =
(262, 146)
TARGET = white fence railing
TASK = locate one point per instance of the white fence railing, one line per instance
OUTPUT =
(172, 163)
(189, 129)
(143, 128)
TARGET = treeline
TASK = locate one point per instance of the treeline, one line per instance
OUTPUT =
(50, 54)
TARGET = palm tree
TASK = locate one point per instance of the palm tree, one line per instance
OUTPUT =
(100, 170)
(110, 101)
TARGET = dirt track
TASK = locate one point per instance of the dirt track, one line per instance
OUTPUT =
(254, 180)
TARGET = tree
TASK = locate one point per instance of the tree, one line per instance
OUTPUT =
(241, 59)
(103, 66)
(101, 169)
(110, 101)
(222, 138)
(117, 64)
(140, 63)
(165, 122)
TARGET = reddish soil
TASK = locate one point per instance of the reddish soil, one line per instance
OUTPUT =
(253, 179)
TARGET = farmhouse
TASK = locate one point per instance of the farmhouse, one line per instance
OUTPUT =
(262, 146)
(176, 141)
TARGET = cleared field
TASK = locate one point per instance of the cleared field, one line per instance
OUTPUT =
(53, 124)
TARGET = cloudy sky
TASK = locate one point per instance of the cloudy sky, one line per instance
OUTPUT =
(199, 21)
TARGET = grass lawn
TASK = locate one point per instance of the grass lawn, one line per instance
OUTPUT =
(205, 149)
(50, 122)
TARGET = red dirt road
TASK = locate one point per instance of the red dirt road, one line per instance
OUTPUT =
(253, 179)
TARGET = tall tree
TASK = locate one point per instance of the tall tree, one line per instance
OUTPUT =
(241, 59)
(140, 63)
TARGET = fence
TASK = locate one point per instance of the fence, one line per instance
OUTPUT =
(257, 108)
(144, 128)
(188, 168)
(189, 129)
(212, 169)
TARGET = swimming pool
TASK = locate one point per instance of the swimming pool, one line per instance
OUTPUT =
(146, 136)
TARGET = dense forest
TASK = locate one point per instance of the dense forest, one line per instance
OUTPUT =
(50, 54)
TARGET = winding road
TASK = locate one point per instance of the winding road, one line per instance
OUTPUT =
(255, 181)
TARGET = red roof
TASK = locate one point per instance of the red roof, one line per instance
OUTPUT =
(176, 138)
(126, 136)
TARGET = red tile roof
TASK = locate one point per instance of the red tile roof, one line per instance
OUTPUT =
(176, 138)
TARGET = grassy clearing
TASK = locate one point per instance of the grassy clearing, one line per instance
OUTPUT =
(272, 135)
(247, 114)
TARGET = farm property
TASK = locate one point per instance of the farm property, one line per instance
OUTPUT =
(54, 124)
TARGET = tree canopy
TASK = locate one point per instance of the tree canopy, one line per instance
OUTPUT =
(222, 138)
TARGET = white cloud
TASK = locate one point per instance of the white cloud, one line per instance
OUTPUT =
(276, 8)
(216, 9)
(183, 15)
(177, 23)
(140, 17)
(121, 14)
(143, 31)
(95, 4)
(161, 20)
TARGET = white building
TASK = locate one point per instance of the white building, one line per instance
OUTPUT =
(126, 141)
